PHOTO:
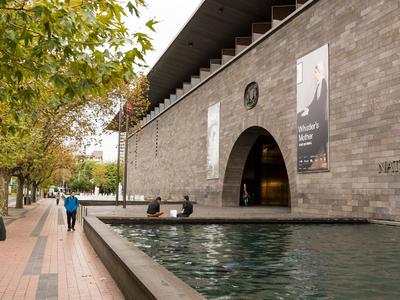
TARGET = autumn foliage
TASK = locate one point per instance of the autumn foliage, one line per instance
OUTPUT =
(59, 62)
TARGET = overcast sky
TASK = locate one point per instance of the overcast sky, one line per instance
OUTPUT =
(172, 15)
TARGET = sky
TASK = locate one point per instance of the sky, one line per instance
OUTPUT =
(172, 16)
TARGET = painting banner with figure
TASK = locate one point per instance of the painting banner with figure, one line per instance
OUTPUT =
(213, 142)
(313, 111)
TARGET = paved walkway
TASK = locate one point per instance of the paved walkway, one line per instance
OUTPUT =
(42, 260)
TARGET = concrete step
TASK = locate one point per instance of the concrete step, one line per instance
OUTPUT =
(173, 97)
(280, 12)
(227, 55)
(162, 107)
(187, 86)
(167, 102)
(179, 93)
(300, 3)
(241, 43)
(204, 73)
(258, 29)
(215, 64)
(195, 80)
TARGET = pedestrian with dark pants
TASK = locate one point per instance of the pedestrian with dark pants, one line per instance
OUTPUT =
(153, 210)
(71, 205)
(2, 229)
(187, 207)
(58, 196)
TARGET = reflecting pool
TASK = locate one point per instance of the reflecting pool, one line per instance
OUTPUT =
(263, 261)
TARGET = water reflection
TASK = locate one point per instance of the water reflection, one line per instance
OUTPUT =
(277, 261)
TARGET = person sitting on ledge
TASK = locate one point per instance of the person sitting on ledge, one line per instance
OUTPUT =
(153, 210)
(187, 208)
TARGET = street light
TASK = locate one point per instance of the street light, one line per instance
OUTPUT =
(119, 154)
(126, 152)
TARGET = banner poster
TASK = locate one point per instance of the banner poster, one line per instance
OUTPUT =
(313, 111)
(213, 141)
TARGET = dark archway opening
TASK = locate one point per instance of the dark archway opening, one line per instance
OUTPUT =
(264, 175)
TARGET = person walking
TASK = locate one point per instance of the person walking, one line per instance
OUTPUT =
(58, 197)
(71, 205)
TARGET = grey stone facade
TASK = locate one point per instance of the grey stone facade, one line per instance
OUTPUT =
(168, 156)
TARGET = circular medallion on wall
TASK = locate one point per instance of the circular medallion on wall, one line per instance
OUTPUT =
(251, 95)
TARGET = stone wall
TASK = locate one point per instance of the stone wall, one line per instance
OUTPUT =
(168, 156)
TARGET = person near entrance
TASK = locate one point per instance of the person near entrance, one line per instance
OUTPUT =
(153, 210)
(246, 196)
(71, 205)
(187, 208)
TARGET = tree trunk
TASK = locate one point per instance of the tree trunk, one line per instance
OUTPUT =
(4, 179)
(34, 191)
(20, 192)
(28, 194)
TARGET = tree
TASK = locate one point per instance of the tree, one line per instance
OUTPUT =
(55, 159)
(68, 48)
(99, 176)
(136, 102)
(82, 184)
(58, 60)
(105, 177)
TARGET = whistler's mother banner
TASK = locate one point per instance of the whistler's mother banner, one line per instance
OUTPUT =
(313, 111)
(213, 142)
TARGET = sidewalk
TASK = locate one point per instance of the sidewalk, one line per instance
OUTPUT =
(42, 260)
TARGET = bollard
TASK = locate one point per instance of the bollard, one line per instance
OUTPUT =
(2, 230)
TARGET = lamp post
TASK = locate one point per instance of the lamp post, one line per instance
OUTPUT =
(126, 152)
(119, 154)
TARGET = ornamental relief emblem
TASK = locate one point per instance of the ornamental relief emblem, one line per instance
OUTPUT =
(251, 95)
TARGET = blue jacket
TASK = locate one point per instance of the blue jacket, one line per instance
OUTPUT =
(71, 204)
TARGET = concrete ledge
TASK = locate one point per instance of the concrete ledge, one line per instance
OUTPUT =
(112, 202)
(190, 220)
(384, 222)
(136, 274)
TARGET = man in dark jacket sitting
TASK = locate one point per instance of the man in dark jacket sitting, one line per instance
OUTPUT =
(187, 208)
(153, 210)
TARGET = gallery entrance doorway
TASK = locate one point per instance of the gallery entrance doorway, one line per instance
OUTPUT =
(264, 176)
(256, 173)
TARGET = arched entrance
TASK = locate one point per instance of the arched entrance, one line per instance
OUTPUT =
(257, 165)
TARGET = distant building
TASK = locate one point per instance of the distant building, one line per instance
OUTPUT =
(95, 155)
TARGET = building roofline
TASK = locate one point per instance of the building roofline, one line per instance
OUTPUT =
(265, 36)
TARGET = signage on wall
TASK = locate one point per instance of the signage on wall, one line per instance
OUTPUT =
(251, 95)
(213, 141)
(389, 166)
(313, 111)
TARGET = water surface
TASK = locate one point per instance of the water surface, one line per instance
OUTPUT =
(263, 261)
